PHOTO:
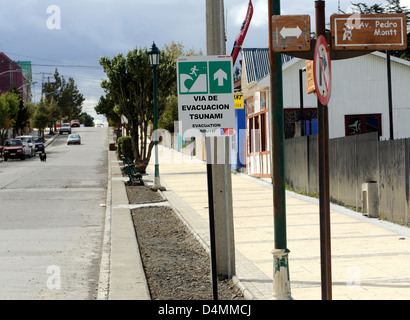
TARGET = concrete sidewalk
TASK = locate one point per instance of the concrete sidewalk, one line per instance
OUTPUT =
(370, 258)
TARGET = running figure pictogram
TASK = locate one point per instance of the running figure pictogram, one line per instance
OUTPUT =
(194, 71)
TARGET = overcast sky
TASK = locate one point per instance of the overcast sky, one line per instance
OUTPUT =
(90, 29)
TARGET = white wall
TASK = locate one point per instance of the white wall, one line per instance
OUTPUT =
(359, 86)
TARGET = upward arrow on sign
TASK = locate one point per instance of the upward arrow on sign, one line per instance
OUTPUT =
(221, 76)
(291, 32)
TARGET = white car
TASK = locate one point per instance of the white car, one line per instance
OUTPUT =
(65, 127)
(30, 145)
(27, 149)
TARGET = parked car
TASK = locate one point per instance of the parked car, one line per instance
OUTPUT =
(14, 149)
(39, 142)
(75, 123)
(30, 143)
(27, 149)
(74, 138)
(65, 127)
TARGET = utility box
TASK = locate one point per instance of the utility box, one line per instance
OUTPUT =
(370, 197)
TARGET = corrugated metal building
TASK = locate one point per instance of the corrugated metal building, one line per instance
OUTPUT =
(255, 67)
(359, 101)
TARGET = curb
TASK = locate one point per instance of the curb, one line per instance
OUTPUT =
(103, 283)
(122, 276)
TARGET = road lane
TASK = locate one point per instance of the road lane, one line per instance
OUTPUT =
(51, 221)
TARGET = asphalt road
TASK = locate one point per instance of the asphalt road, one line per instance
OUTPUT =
(52, 221)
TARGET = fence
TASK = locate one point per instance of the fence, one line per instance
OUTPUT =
(353, 161)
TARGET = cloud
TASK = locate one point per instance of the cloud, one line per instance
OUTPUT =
(237, 13)
(94, 28)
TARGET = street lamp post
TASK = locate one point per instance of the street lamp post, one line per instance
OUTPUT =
(11, 71)
(154, 54)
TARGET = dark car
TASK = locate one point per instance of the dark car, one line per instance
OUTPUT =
(14, 149)
(74, 138)
(39, 142)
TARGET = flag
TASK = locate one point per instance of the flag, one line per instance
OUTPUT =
(242, 34)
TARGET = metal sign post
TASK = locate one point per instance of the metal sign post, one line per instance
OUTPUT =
(281, 282)
(323, 146)
(211, 217)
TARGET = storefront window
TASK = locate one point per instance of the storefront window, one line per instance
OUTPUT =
(363, 123)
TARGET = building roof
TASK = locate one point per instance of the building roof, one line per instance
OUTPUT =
(6, 63)
(257, 63)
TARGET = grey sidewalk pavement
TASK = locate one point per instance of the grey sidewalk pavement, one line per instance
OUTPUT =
(370, 258)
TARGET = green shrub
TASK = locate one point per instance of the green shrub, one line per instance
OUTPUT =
(124, 147)
(119, 146)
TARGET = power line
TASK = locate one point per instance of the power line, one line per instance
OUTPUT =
(51, 65)
(66, 66)
(20, 55)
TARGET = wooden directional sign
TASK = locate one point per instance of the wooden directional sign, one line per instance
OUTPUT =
(291, 33)
(310, 78)
(322, 71)
(369, 32)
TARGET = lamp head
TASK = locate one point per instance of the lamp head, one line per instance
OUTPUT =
(154, 54)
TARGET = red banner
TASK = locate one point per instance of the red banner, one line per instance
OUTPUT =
(242, 34)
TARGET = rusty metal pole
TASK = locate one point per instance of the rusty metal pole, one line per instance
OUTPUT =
(324, 193)
(281, 283)
(390, 95)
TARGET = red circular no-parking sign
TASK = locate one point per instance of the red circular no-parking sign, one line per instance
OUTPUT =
(322, 71)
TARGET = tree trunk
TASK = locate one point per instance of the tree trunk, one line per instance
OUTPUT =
(141, 159)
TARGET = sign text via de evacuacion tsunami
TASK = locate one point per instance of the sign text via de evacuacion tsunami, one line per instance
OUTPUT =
(205, 107)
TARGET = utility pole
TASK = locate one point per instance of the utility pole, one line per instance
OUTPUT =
(215, 28)
(218, 164)
(281, 282)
